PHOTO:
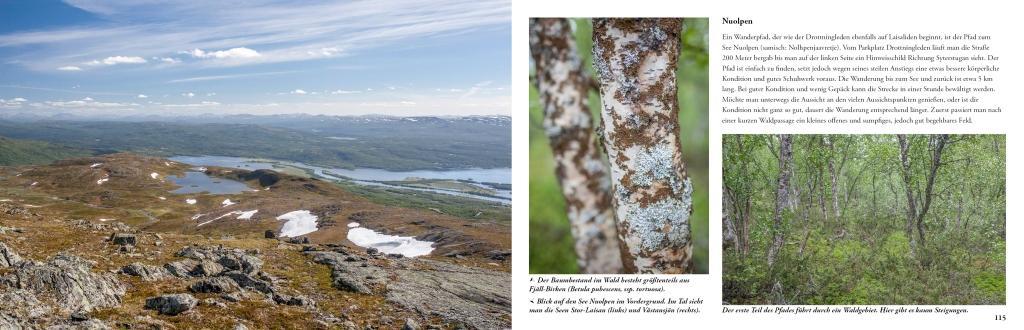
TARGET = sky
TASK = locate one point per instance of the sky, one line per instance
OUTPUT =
(148, 57)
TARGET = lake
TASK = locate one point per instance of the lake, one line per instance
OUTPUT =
(197, 182)
(368, 176)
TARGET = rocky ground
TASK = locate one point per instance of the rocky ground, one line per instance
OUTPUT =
(75, 254)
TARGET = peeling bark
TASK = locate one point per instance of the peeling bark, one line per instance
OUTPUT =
(781, 195)
(581, 172)
(636, 64)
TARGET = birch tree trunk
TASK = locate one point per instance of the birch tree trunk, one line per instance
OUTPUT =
(911, 204)
(582, 174)
(781, 195)
(636, 63)
(729, 237)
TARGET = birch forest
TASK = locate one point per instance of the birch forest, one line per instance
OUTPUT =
(864, 219)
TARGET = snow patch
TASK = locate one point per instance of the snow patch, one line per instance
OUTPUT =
(190, 201)
(154, 175)
(95, 165)
(353, 224)
(167, 164)
(406, 246)
(299, 223)
(246, 215)
(105, 219)
(35, 183)
(227, 202)
(162, 198)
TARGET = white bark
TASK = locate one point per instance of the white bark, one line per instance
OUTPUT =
(636, 63)
(582, 174)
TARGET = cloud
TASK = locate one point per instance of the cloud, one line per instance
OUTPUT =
(85, 103)
(476, 88)
(298, 92)
(69, 68)
(407, 103)
(230, 76)
(114, 60)
(238, 52)
(325, 52)
(168, 60)
(338, 92)
(12, 103)
(142, 96)
(282, 31)
(193, 105)
(188, 94)
(211, 94)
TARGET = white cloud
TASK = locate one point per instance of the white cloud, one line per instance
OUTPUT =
(298, 92)
(325, 52)
(168, 60)
(188, 94)
(211, 94)
(69, 68)
(237, 52)
(12, 103)
(142, 96)
(85, 103)
(337, 92)
(114, 60)
(407, 103)
(283, 31)
(193, 105)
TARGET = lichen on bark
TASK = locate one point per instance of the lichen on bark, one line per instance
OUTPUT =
(582, 174)
(636, 60)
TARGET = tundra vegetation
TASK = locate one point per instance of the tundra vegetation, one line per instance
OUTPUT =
(864, 219)
(650, 115)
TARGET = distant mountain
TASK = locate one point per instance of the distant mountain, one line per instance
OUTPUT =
(385, 142)
(25, 152)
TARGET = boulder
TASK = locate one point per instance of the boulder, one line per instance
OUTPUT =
(269, 234)
(147, 272)
(70, 281)
(283, 299)
(247, 281)
(8, 258)
(123, 239)
(172, 304)
(410, 324)
(214, 285)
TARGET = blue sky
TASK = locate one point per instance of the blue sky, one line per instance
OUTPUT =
(140, 57)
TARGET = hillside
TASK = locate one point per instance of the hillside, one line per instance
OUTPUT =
(103, 241)
(23, 152)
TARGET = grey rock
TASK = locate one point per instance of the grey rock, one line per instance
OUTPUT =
(283, 299)
(172, 304)
(207, 268)
(123, 239)
(241, 326)
(214, 285)
(70, 281)
(8, 258)
(146, 272)
(410, 324)
(473, 297)
(232, 297)
(181, 268)
(269, 234)
(249, 282)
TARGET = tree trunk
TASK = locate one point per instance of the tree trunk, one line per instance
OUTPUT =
(781, 195)
(911, 203)
(582, 174)
(636, 63)
(728, 227)
(936, 143)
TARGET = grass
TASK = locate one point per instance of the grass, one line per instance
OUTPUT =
(462, 207)
(551, 244)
